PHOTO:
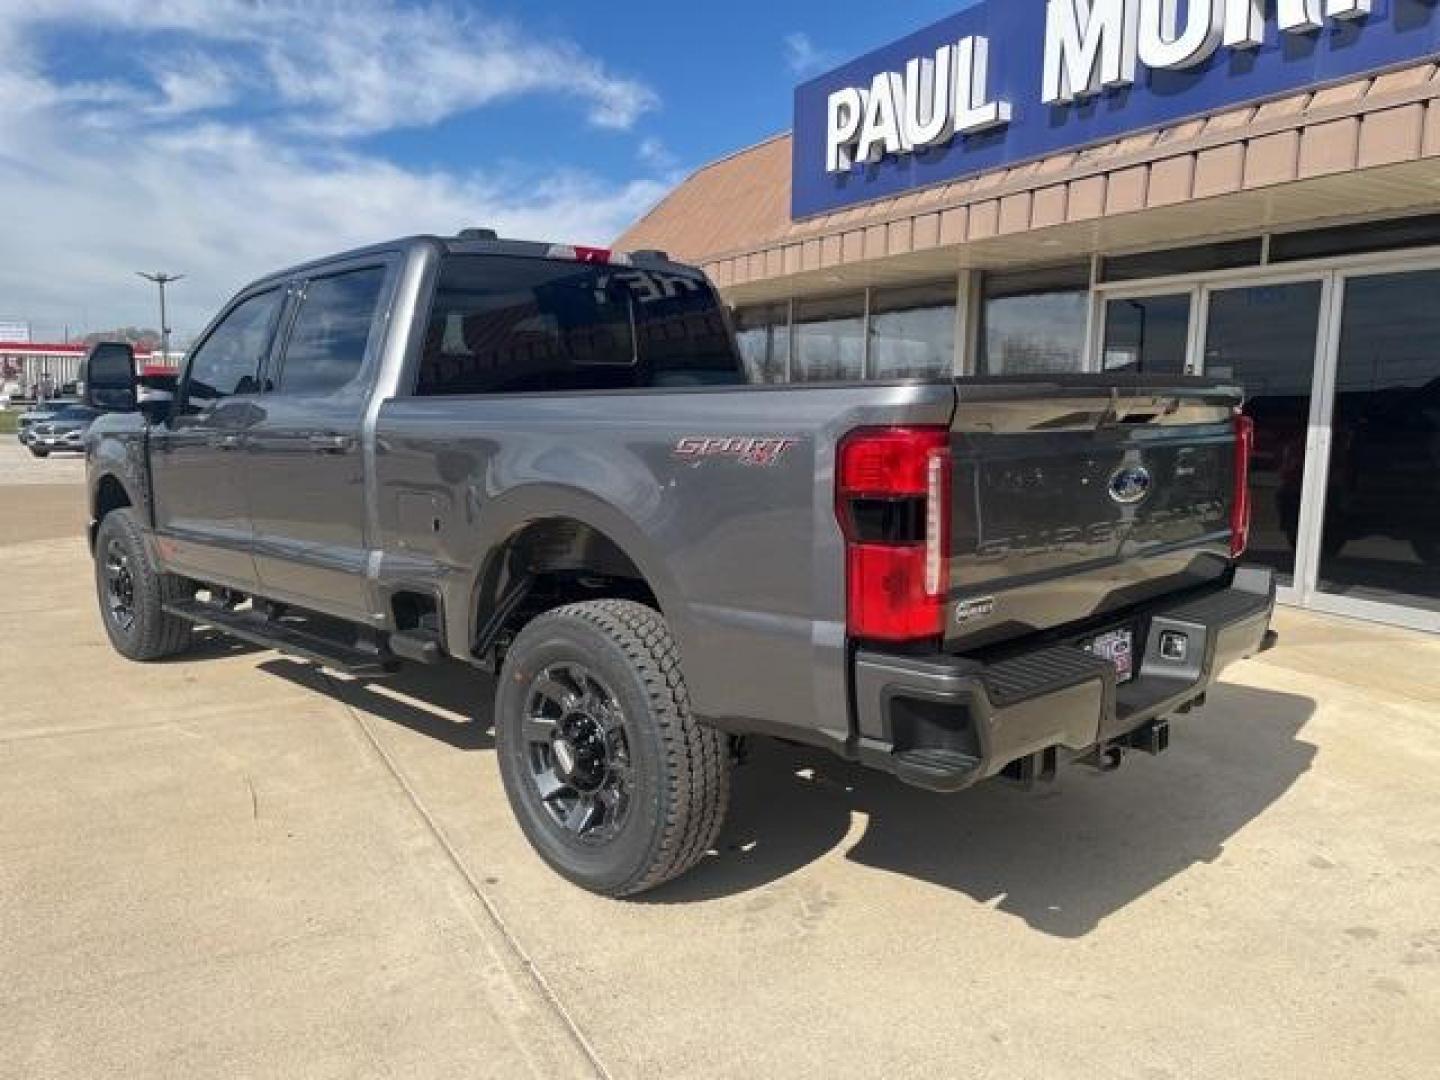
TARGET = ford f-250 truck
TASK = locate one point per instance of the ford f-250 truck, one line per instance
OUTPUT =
(545, 461)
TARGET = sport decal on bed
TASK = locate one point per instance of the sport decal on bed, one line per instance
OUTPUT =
(761, 451)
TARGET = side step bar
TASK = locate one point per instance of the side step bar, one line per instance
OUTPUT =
(255, 627)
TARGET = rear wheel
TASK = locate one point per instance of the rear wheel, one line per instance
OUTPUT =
(611, 778)
(133, 591)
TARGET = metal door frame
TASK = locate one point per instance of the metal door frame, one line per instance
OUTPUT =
(1312, 487)
(1102, 295)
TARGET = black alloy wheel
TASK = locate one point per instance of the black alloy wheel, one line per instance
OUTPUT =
(133, 591)
(613, 780)
(119, 586)
(579, 755)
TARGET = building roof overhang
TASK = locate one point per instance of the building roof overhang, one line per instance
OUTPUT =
(1364, 147)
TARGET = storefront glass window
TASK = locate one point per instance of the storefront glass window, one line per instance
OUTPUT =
(1034, 322)
(1147, 334)
(830, 340)
(1381, 538)
(1394, 235)
(763, 334)
(912, 331)
(1189, 260)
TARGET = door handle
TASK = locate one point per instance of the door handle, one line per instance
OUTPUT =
(330, 444)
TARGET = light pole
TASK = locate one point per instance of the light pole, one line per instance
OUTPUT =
(162, 279)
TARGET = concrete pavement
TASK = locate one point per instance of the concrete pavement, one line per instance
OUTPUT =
(236, 865)
(19, 466)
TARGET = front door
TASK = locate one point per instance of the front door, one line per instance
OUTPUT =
(1265, 337)
(305, 449)
(197, 459)
(1341, 370)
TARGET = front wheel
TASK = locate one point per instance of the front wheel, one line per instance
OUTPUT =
(39, 452)
(612, 780)
(133, 592)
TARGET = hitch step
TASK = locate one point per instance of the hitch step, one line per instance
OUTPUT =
(258, 629)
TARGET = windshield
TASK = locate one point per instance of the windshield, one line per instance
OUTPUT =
(509, 324)
(74, 413)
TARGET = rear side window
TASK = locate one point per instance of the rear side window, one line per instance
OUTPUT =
(228, 361)
(331, 334)
(509, 324)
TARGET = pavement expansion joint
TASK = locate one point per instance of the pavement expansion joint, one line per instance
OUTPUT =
(542, 984)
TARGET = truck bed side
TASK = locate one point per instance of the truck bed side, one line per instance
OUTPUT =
(723, 498)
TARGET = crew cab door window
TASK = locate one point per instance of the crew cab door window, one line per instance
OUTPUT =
(228, 362)
(509, 324)
(331, 334)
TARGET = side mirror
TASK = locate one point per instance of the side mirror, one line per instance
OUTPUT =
(110, 377)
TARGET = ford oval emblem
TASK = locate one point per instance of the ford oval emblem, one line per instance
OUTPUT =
(1129, 484)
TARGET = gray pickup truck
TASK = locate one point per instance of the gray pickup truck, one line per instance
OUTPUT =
(545, 462)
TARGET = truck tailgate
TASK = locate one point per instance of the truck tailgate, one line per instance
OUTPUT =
(1078, 496)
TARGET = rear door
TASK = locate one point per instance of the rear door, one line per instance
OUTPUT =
(196, 462)
(306, 470)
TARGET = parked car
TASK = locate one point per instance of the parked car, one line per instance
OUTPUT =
(63, 430)
(41, 411)
(543, 461)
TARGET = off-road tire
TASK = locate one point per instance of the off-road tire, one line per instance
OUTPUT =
(679, 773)
(153, 634)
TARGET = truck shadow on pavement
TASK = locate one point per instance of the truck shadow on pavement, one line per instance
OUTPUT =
(207, 644)
(1060, 856)
(450, 703)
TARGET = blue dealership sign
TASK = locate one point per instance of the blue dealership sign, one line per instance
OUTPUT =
(1008, 81)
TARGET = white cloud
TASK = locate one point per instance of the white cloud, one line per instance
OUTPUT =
(653, 153)
(362, 66)
(803, 57)
(103, 178)
(197, 86)
(224, 205)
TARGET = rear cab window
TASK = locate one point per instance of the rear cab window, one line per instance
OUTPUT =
(510, 324)
(330, 337)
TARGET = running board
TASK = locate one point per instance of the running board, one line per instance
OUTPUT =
(256, 628)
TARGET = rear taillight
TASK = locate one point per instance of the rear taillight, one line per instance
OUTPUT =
(893, 502)
(1240, 504)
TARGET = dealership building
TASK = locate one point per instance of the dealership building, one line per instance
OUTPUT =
(1241, 189)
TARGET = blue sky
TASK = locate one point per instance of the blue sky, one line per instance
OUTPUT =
(223, 138)
(724, 79)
